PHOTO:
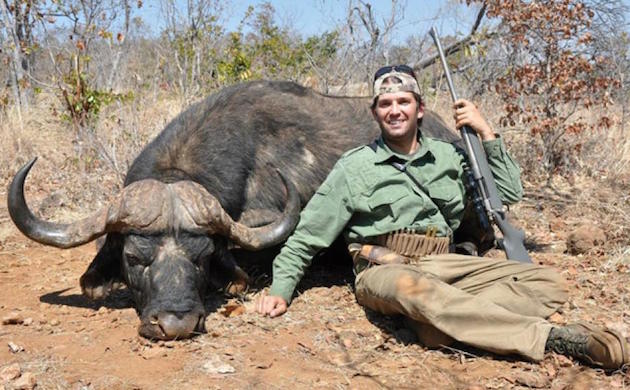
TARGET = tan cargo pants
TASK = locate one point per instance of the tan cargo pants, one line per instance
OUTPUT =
(492, 304)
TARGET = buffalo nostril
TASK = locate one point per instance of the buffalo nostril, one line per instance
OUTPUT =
(178, 325)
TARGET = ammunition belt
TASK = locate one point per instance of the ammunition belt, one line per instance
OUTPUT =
(398, 247)
(410, 244)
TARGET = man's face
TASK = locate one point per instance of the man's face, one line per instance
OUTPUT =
(397, 114)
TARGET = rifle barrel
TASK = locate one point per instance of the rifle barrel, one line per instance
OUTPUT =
(447, 74)
(513, 238)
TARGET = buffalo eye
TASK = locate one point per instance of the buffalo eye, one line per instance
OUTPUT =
(139, 250)
(197, 248)
(134, 259)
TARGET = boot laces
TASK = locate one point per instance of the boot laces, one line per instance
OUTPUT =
(570, 343)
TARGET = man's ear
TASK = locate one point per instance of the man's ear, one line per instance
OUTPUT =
(373, 108)
(420, 110)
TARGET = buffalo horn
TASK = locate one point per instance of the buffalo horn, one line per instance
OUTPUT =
(216, 220)
(55, 234)
(131, 210)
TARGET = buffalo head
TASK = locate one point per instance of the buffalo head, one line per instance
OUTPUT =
(165, 241)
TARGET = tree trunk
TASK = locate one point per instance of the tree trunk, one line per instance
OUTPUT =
(17, 73)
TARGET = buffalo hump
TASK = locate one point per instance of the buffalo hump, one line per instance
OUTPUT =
(229, 141)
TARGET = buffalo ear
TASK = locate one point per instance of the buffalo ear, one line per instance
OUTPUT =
(105, 272)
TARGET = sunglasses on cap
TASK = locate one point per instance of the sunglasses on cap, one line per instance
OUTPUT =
(394, 68)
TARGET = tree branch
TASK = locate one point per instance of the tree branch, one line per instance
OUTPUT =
(459, 45)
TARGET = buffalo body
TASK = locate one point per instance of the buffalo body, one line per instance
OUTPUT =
(228, 171)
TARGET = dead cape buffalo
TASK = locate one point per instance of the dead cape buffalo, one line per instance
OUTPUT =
(210, 178)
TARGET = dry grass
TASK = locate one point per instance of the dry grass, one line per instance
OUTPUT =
(73, 173)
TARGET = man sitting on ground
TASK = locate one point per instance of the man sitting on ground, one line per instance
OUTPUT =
(492, 304)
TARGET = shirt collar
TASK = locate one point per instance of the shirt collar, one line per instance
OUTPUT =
(385, 153)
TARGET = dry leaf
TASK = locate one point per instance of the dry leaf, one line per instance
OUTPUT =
(557, 318)
(264, 364)
(532, 380)
(233, 310)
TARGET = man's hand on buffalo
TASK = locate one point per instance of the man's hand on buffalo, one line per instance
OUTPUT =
(270, 305)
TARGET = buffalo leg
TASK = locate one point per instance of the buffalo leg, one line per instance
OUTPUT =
(239, 282)
(227, 275)
(104, 273)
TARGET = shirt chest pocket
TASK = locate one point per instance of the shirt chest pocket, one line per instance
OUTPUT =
(445, 197)
(442, 193)
(387, 207)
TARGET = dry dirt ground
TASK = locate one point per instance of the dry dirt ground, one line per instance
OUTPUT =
(51, 337)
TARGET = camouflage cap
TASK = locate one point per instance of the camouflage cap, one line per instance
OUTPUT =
(409, 84)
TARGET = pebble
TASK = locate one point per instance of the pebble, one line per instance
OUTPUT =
(14, 348)
(216, 366)
(10, 372)
(153, 353)
(25, 382)
(167, 344)
(79, 385)
(54, 322)
(13, 318)
(28, 321)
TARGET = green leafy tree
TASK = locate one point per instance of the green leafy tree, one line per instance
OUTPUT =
(268, 51)
(236, 64)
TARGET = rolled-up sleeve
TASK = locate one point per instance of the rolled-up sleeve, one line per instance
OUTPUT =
(506, 172)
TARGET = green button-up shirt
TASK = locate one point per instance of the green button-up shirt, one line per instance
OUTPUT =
(365, 196)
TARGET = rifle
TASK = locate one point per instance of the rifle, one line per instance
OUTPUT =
(485, 197)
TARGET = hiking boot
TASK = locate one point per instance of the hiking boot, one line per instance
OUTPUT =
(598, 347)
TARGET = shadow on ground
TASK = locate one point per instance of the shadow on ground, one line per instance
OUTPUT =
(330, 267)
(118, 299)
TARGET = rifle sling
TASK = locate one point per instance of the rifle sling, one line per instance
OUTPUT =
(402, 168)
